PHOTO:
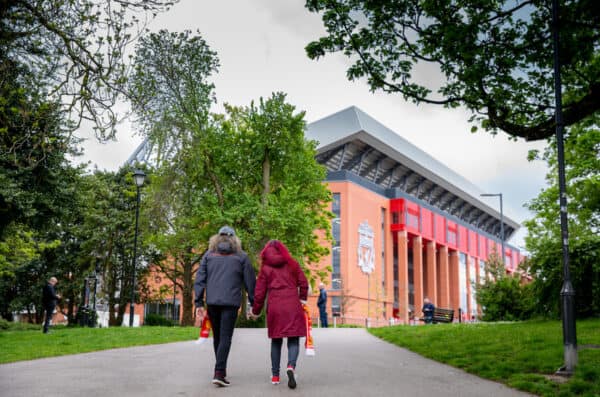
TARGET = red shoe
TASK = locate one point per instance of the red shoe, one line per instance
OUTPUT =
(275, 380)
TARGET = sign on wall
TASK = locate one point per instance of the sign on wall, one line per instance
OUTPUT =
(366, 248)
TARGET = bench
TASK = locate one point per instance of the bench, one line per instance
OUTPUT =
(441, 315)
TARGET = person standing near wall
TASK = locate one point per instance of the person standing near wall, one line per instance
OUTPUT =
(224, 269)
(49, 300)
(322, 304)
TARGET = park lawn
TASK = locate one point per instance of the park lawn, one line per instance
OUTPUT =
(517, 354)
(29, 345)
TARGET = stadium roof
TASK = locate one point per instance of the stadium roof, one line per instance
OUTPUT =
(352, 140)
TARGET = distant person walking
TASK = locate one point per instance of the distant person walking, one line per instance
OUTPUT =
(49, 300)
(282, 282)
(322, 304)
(224, 269)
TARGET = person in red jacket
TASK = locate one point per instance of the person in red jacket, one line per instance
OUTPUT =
(283, 281)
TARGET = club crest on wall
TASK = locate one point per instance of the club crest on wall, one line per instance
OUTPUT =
(366, 250)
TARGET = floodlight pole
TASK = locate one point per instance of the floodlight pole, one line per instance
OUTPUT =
(567, 292)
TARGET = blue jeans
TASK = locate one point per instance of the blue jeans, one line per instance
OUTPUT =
(323, 317)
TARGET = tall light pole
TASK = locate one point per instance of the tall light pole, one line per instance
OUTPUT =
(501, 221)
(567, 292)
(138, 178)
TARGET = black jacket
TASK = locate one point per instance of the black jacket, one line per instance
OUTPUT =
(221, 276)
(322, 301)
(49, 297)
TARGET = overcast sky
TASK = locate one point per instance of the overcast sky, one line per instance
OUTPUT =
(260, 45)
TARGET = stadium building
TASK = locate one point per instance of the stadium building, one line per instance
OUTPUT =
(406, 227)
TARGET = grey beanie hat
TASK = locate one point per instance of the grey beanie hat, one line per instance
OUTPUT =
(227, 231)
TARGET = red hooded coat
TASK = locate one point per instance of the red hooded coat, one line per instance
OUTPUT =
(282, 280)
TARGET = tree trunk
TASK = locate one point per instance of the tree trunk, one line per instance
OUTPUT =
(187, 292)
(266, 178)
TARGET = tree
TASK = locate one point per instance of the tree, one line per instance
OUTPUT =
(75, 51)
(109, 228)
(279, 192)
(543, 241)
(495, 56)
(171, 97)
(504, 297)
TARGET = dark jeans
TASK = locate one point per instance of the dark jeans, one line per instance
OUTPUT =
(323, 317)
(293, 345)
(222, 319)
(49, 311)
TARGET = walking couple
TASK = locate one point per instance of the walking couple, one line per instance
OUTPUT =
(224, 269)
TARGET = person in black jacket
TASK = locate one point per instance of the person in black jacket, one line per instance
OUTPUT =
(322, 304)
(49, 300)
(224, 269)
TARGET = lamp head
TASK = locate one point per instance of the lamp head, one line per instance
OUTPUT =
(138, 177)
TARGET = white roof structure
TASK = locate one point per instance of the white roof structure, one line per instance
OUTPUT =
(352, 141)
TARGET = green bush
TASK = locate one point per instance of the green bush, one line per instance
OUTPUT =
(6, 325)
(505, 297)
(157, 320)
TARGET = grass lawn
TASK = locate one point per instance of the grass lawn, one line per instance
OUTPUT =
(517, 354)
(28, 345)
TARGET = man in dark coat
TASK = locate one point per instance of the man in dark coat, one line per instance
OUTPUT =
(49, 300)
(224, 269)
(322, 304)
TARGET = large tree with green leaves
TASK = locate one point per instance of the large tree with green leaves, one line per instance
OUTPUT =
(543, 241)
(494, 57)
(171, 97)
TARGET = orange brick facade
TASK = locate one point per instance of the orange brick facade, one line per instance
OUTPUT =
(413, 260)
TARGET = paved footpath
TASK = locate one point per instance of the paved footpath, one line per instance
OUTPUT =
(349, 362)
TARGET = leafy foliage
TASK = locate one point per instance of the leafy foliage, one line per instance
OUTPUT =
(495, 56)
(504, 297)
(582, 162)
(75, 51)
(157, 320)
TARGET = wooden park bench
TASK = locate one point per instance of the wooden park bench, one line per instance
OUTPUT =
(441, 315)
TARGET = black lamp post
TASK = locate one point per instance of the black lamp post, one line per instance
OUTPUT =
(138, 178)
(567, 292)
(501, 221)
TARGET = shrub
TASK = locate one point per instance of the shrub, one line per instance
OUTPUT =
(157, 320)
(6, 325)
(505, 297)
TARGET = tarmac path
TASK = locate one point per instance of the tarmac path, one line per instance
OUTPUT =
(349, 362)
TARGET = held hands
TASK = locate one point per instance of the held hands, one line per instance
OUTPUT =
(250, 315)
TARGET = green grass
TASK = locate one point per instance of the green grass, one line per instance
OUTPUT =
(517, 354)
(29, 345)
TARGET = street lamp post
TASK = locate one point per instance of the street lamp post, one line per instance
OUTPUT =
(567, 292)
(501, 221)
(138, 178)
